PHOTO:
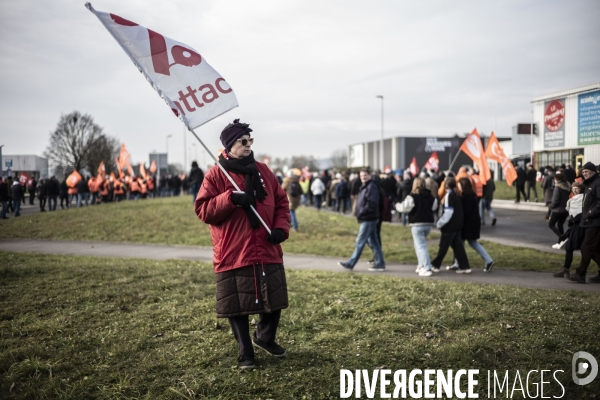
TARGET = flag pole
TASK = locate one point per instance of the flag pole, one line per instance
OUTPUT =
(227, 175)
(455, 157)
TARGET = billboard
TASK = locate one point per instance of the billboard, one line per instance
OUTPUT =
(588, 118)
(446, 149)
(356, 156)
(554, 123)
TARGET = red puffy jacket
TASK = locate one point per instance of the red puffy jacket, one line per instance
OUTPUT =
(235, 243)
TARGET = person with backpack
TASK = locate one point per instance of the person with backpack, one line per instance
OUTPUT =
(292, 188)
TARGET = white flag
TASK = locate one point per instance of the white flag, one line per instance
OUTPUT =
(193, 89)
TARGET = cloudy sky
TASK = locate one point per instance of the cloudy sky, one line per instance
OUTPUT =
(306, 73)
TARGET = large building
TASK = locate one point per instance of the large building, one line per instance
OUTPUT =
(568, 127)
(30, 164)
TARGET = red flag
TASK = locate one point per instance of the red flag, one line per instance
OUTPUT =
(23, 178)
(493, 151)
(433, 162)
(153, 167)
(73, 179)
(414, 168)
(474, 149)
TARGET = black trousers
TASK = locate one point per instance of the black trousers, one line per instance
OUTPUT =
(530, 186)
(589, 249)
(266, 328)
(454, 240)
(31, 197)
(557, 223)
(521, 189)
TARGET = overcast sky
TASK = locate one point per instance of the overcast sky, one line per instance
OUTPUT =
(306, 73)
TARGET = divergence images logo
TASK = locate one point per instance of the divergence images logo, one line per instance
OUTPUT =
(583, 367)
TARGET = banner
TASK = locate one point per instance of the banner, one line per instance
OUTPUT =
(554, 123)
(589, 118)
(493, 151)
(474, 149)
(123, 157)
(433, 162)
(73, 179)
(414, 168)
(194, 91)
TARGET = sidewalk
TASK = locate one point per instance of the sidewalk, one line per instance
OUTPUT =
(521, 206)
(537, 280)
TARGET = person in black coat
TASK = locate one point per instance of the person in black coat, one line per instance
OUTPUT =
(573, 237)
(4, 198)
(41, 194)
(558, 210)
(63, 192)
(17, 194)
(521, 179)
(195, 180)
(52, 192)
(404, 189)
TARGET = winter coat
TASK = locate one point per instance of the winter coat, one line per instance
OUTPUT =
(521, 176)
(575, 232)
(41, 190)
(548, 187)
(590, 216)
(196, 176)
(17, 191)
(560, 197)
(4, 191)
(419, 208)
(531, 175)
(488, 190)
(317, 187)
(63, 189)
(472, 221)
(355, 185)
(52, 187)
(452, 219)
(235, 243)
(368, 203)
(575, 205)
(404, 189)
(294, 201)
(341, 190)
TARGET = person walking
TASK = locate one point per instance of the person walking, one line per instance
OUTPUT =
(195, 180)
(451, 224)
(367, 215)
(248, 263)
(521, 178)
(590, 219)
(420, 206)
(63, 194)
(41, 194)
(531, 182)
(32, 188)
(4, 198)
(317, 188)
(558, 205)
(548, 188)
(472, 222)
(404, 189)
(17, 194)
(486, 201)
(342, 194)
(292, 188)
(52, 191)
(573, 238)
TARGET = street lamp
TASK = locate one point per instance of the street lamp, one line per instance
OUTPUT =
(381, 144)
(167, 140)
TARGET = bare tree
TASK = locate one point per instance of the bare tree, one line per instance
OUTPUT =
(72, 142)
(304, 161)
(105, 149)
(339, 159)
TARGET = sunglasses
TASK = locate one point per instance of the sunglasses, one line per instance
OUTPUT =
(245, 141)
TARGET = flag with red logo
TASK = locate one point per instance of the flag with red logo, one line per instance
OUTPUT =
(433, 162)
(493, 151)
(23, 178)
(474, 149)
(414, 168)
(194, 91)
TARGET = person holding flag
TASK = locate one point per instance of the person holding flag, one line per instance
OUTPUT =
(247, 261)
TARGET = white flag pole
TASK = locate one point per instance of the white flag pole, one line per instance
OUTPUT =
(228, 176)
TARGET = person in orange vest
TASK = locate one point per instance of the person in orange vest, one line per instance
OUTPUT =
(477, 184)
(119, 191)
(104, 191)
(134, 188)
(143, 188)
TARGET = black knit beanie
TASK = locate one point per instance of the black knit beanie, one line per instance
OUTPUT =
(233, 132)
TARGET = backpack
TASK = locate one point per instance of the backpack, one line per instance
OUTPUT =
(294, 189)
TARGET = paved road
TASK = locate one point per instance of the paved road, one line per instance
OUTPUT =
(538, 280)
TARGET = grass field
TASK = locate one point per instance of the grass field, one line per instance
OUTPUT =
(173, 221)
(91, 328)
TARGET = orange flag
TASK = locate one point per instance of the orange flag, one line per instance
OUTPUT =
(73, 179)
(101, 169)
(433, 162)
(143, 171)
(493, 151)
(129, 169)
(153, 167)
(123, 156)
(414, 168)
(473, 148)
(119, 169)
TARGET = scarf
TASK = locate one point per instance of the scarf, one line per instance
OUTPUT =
(253, 185)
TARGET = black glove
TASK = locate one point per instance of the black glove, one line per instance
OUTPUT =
(241, 199)
(277, 236)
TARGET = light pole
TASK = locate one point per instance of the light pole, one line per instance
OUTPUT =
(381, 164)
(531, 155)
(167, 140)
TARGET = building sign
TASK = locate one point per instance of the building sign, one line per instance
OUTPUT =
(589, 118)
(433, 144)
(554, 123)
(356, 156)
(8, 163)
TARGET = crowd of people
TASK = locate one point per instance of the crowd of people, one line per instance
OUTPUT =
(93, 190)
